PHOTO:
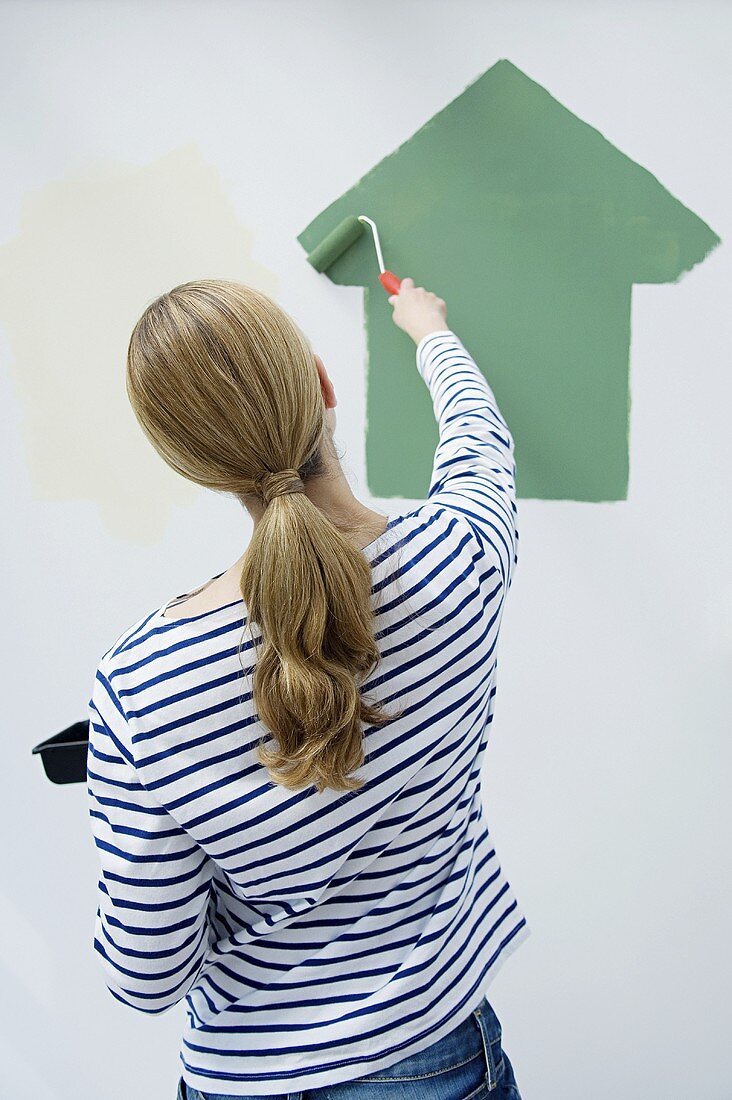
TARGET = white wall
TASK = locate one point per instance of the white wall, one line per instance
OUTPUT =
(606, 779)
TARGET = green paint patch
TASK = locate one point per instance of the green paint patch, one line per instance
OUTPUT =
(534, 228)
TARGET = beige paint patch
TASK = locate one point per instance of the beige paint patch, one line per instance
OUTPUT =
(92, 252)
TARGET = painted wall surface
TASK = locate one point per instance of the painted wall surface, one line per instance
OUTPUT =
(146, 144)
(533, 228)
(117, 228)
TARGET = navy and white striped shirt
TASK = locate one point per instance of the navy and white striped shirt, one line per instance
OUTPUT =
(318, 937)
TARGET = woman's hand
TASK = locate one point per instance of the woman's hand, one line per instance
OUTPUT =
(418, 311)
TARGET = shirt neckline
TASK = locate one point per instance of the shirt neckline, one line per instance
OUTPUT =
(228, 607)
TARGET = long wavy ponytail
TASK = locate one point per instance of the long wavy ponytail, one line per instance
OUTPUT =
(225, 386)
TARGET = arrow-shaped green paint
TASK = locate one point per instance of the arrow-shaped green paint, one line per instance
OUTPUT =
(534, 228)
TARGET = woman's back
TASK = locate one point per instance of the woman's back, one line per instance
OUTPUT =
(317, 936)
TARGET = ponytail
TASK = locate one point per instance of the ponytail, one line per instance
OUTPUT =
(309, 589)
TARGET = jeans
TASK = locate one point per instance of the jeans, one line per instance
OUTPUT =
(467, 1064)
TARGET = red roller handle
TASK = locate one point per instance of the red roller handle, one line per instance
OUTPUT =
(390, 282)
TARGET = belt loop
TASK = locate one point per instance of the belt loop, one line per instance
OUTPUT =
(486, 1022)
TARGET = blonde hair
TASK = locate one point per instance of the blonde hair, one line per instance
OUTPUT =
(226, 387)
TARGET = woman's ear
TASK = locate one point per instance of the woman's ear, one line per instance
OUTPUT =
(329, 395)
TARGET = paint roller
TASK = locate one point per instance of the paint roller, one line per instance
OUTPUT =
(341, 238)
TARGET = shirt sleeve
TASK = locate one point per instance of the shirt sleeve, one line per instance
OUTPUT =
(474, 471)
(151, 922)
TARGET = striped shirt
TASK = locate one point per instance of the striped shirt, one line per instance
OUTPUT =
(317, 937)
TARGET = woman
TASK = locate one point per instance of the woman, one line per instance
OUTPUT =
(284, 765)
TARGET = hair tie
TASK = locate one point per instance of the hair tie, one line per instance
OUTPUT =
(279, 483)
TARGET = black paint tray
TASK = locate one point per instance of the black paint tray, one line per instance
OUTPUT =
(64, 754)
